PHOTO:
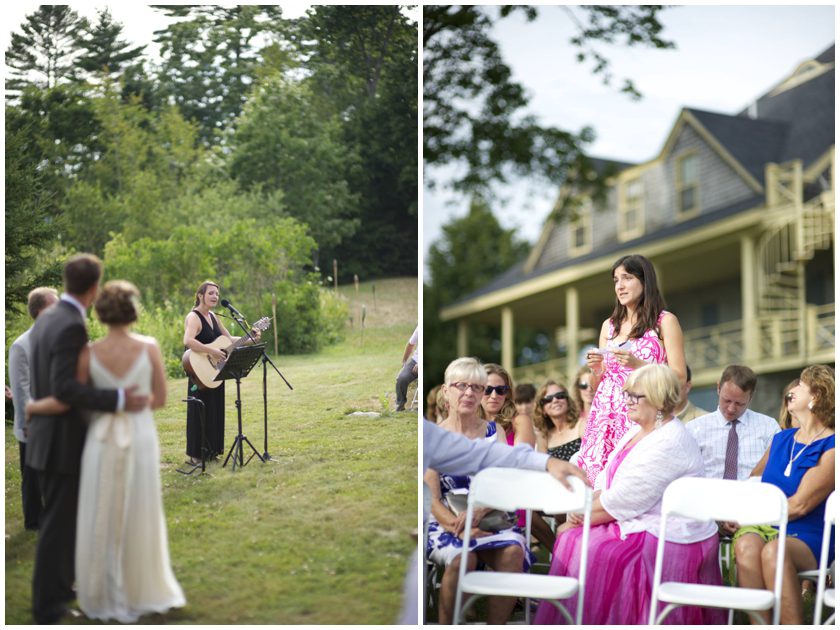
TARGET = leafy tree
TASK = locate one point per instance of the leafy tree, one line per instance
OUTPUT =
(363, 61)
(281, 143)
(146, 160)
(30, 226)
(103, 50)
(473, 109)
(210, 56)
(471, 251)
(43, 54)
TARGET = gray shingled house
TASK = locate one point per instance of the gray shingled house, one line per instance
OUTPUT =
(737, 214)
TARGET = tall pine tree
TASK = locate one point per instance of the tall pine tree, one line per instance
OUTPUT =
(43, 53)
(103, 50)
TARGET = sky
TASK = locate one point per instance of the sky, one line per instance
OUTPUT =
(726, 57)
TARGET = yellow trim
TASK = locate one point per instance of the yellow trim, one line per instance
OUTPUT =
(819, 166)
(680, 186)
(584, 220)
(686, 117)
(625, 234)
(804, 72)
(601, 265)
(548, 227)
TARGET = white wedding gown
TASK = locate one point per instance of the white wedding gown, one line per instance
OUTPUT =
(122, 552)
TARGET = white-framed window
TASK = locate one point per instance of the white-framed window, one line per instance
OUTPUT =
(631, 214)
(580, 230)
(688, 185)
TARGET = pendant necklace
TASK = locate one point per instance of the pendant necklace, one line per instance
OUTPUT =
(792, 458)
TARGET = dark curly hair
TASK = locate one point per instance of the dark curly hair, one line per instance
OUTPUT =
(116, 303)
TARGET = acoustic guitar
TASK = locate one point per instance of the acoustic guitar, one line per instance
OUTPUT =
(203, 368)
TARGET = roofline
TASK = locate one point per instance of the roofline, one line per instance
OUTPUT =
(576, 272)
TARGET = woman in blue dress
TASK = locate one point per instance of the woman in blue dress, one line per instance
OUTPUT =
(800, 461)
(503, 549)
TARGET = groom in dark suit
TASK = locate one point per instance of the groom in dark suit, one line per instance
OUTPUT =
(55, 442)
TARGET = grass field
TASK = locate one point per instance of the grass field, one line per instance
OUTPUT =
(320, 535)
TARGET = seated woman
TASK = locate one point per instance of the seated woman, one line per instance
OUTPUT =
(497, 405)
(626, 516)
(800, 461)
(557, 420)
(505, 550)
(584, 393)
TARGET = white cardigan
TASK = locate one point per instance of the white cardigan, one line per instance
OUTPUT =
(635, 497)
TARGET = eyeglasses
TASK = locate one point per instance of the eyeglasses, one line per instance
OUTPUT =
(632, 399)
(583, 385)
(462, 387)
(501, 390)
(555, 396)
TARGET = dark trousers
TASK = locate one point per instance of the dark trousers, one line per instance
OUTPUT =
(55, 556)
(30, 491)
(404, 379)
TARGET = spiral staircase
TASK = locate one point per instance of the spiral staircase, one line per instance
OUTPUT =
(793, 231)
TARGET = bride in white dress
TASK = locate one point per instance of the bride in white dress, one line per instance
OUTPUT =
(122, 551)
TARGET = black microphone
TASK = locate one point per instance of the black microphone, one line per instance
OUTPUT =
(232, 308)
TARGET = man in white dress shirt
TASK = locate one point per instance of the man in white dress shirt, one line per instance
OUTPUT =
(38, 300)
(734, 437)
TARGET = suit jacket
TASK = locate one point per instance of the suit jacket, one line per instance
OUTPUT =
(691, 412)
(56, 442)
(19, 380)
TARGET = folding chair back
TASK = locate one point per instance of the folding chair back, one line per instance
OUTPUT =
(510, 489)
(826, 596)
(703, 499)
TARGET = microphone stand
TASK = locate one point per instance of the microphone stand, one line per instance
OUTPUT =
(265, 359)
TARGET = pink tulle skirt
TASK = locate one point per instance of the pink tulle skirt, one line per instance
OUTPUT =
(619, 579)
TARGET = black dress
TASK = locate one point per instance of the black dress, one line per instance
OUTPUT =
(214, 404)
(566, 450)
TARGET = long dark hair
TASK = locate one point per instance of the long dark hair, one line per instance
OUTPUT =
(651, 303)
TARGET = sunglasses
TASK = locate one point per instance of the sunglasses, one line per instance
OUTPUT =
(555, 396)
(501, 390)
(583, 385)
(462, 387)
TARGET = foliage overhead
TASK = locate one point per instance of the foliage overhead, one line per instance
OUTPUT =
(474, 111)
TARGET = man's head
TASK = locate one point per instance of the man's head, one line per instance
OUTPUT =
(524, 396)
(81, 277)
(735, 391)
(39, 299)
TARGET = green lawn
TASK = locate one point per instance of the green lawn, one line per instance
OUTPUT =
(321, 535)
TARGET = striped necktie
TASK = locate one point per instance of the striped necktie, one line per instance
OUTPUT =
(730, 466)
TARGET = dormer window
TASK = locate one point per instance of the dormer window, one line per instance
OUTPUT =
(580, 230)
(631, 218)
(688, 185)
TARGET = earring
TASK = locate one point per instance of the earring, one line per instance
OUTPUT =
(659, 418)
(810, 405)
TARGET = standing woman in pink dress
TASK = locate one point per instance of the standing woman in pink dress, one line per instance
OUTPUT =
(639, 331)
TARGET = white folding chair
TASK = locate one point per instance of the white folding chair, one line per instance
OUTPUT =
(510, 489)
(826, 595)
(704, 499)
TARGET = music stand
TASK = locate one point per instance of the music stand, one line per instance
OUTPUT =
(237, 366)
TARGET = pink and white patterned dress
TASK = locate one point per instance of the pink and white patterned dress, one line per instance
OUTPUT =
(608, 420)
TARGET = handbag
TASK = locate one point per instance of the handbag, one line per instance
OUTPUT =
(493, 521)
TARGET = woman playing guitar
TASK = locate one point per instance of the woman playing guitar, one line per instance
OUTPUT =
(202, 327)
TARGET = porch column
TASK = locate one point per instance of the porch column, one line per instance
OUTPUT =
(507, 338)
(572, 329)
(749, 279)
(463, 338)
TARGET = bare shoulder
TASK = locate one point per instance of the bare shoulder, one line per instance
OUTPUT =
(191, 317)
(145, 340)
(669, 320)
